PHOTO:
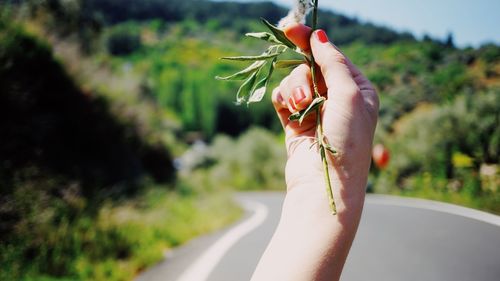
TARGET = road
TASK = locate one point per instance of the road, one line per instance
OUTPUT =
(398, 239)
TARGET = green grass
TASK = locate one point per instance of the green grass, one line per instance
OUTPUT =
(468, 193)
(121, 240)
(489, 203)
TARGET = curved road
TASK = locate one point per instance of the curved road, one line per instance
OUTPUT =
(398, 239)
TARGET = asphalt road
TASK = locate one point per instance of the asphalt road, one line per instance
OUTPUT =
(398, 239)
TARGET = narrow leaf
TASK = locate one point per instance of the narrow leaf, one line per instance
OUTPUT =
(294, 117)
(245, 73)
(314, 104)
(261, 86)
(288, 63)
(299, 116)
(266, 36)
(280, 35)
(246, 88)
(257, 95)
(264, 56)
(330, 149)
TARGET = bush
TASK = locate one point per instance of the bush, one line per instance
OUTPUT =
(48, 122)
(56, 239)
(256, 160)
(124, 40)
(443, 148)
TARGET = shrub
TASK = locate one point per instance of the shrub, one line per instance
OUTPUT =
(124, 40)
(442, 148)
(256, 160)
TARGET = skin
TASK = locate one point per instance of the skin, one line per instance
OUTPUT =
(310, 243)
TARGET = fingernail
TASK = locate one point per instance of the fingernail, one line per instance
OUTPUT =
(299, 95)
(321, 36)
(280, 99)
(292, 103)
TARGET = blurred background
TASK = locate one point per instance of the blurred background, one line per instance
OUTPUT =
(117, 143)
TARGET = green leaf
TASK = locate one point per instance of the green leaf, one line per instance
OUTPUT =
(266, 36)
(263, 56)
(288, 63)
(294, 116)
(330, 149)
(260, 88)
(299, 116)
(246, 88)
(314, 104)
(279, 34)
(245, 73)
(271, 52)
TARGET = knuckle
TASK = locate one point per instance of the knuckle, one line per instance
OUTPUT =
(337, 57)
(283, 85)
(300, 70)
(373, 104)
(351, 94)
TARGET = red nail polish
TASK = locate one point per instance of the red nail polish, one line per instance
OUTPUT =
(321, 36)
(299, 95)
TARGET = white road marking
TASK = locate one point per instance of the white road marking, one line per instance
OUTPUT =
(388, 200)
(205, 264)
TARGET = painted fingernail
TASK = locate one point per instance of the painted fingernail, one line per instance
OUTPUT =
(299, 95)
(281, 101)
(321, 36)
(291, 101)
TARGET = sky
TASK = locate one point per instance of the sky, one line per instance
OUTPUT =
(472, 23)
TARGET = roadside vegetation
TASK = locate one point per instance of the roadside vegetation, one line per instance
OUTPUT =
(117, 143)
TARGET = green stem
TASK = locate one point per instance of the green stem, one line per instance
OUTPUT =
(319, 126)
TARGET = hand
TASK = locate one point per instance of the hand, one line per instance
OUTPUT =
(349, 119)
(310, 243)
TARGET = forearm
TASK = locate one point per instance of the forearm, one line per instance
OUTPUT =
(310, 243)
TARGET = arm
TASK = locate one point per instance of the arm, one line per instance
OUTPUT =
(310, 243)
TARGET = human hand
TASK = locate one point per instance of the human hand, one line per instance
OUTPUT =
(309, 243)
(349, 118)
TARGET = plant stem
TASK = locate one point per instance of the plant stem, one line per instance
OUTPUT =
(319, 126)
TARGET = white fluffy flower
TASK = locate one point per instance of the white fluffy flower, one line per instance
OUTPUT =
(297, 14)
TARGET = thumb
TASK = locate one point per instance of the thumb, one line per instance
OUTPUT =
(299, 34)
(336, 68)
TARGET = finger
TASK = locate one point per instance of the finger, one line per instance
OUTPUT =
(281, 107)
(299, 34)
(337, 71)
(296, 88)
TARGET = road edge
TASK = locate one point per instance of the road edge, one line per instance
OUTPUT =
(205, 264)
(391, 200)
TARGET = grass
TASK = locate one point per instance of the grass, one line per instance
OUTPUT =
(487, 203)
(468, 193)
(120, 241)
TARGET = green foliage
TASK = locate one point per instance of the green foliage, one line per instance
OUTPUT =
(436, 140)
(124, 39)
(62, 153)
(96, 13)
(256, 160)
(182, 73)
(256, 81)
(58, 239)
(49, 123)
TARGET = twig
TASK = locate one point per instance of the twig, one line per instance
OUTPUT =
(319, 126)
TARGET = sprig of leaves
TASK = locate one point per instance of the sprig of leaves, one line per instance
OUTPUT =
(256, 81)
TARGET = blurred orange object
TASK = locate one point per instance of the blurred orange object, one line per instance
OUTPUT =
(380, 156)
